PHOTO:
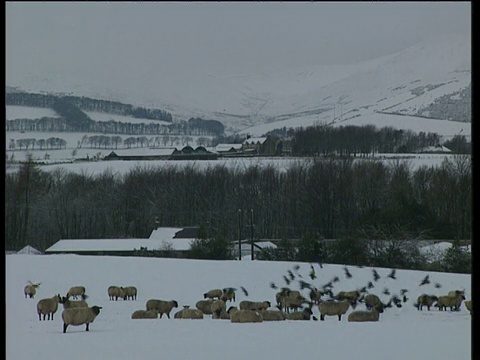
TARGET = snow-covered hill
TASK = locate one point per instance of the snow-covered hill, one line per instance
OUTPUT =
(413, 82)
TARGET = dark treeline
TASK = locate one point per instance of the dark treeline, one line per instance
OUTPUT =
(332, 198)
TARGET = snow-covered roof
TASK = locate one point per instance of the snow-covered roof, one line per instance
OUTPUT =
(145, 152)
(227, 147)
(439, 148)
(255, 140)
(29, 250)
(164, 233)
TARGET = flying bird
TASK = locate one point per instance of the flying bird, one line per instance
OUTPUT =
(363, 289)
(329, 285)
(273, 286)
(438, 286)
(305, 285)
(405, 299)
(244, 290)
(376, 277)
(312, 273)
(396, 300)
(392, 274)
(403, 291)
(347, 273)
(425, 280)
(287, 280)
(296, 267)
(290, 273)
(370, 285)
(386, 291)
(336, 279)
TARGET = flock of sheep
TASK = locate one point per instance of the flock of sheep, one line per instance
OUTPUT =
(289, 305)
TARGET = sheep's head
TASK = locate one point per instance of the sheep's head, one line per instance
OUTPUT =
(175, 304)
(96, 309)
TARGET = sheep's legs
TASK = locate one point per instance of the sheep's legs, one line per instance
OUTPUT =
(86, 329)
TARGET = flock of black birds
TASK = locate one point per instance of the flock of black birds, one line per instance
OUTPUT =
(327, 288)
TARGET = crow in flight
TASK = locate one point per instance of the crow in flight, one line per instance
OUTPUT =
(392, 274)
(425, 280)
(375, 275)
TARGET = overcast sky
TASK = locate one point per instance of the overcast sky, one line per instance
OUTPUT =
(220, 38)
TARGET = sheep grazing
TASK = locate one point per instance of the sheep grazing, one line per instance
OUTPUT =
(205, 306)
(254, 305)
(213, 294)
(115, 292)
(453, 302)
(293, 302)
(468, 305)
(187, 313)
(425, 300)
(305, 314)
(79, 316)
(162, 306)
(228, 294)
(371, 300)
(67, 303)
(333, 308)
(273, 315)
(348, 295)
(48, 307)
(279, 296)
(76, 291)
(245, 316)
(130, 293)
(145, 314)
(30, 290)
(218, 306)
(369, 315)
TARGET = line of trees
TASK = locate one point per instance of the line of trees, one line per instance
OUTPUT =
(333, 198)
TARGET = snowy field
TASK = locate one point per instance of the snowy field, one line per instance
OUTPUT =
(401, 333)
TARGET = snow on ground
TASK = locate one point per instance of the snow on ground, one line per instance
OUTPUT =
(13, 112)
(401, 333)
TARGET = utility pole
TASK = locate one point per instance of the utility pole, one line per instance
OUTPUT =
(251, 233)
(239, 234)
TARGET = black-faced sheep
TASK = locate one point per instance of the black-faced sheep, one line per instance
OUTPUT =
(130, 293)
(48, 307)
(30, 290)
(305, 314)
(79, 316)
(115, 292)
(333, 308)
(254, 305)
(145, 314)
(213, 294)
(425, 300)
(245, 316)
(205, 306)
(162, 306)
(363, 316)
(76, 291)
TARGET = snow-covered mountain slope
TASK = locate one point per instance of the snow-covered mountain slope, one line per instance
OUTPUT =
(427, 80)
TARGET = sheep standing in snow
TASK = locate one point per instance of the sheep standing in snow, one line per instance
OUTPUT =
(348, 295)
(48, 307)
(453, 302)
(372, 300)
(130, 293)
(333, 308)
(79, 316)
(205, 306)
(76, 291)
(162, 306)
(254, 305)
(218, 307)
(425, 300)
(30, 290)
(213, 294)
(145, 314)
(228, 294)
(115, 292)
(315, 295)
(362, 316)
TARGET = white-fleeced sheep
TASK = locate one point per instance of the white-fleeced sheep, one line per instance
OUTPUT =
(453, 302)
(293, 301)
(48, 307)
(115, 292)
(162, 306)
(363, 316)
(372, 300)
(130, 293)
(80, 316)
(305, 314)
(228, 294)
(213, 294)
(145, 314)
(468, 305)
(316, 295)
(205, 306)
(349, 295)
(30, 290)
(67, 303)
(425, 300)
(245, 316)
(254, 305)
(76, 291)
(453, 293)
(218, 306)
(333, 308)
(273, 315)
